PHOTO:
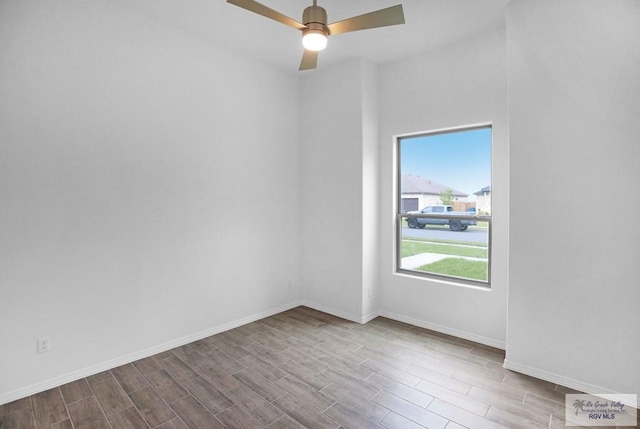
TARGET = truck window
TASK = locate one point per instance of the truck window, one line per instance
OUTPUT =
(438, 209)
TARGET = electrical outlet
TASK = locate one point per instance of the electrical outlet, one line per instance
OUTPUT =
(44, 344)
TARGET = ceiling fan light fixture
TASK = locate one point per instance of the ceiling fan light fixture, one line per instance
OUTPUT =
(315, 28)
(314, 40)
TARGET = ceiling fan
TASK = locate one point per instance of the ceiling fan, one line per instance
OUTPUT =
(315, 29)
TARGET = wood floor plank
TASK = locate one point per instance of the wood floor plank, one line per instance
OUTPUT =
(396, 421)
(391, 372)
(189, 355)
(286, 422)
(402, 390)
(304, 413)
(263, 387)
(18, 419)
(151, 406)
(345, 365)
(307, 358)
(17, 405)
(225, 361)
(305, 392)
(111, 397)
(148, 365)
(194, 415)
(410, 411)
(87, 414)
(462, 417)
(166, 386)
(349, 418)
(299, 370)
(266, 354)
(65, 424)
(218, 377)
(385, 356)
(516, 421)
(212, 399)
(531, 412)
(463, 401)
(261, 367)
(129, 378)
(99, 377)
(254, 405)
(164, 355)
(49, 407)
(235, 418)
(318, 382)
(514, 393)
(454, 425)
(270, 342)
(173, 424)
(439, 379)
(237, 338)
(352, 383)
(178, 369)
(128, 419)
(203, 346)
(75, 391)
(541, 403)
(233, 350)
(354, 400)
(303, 368)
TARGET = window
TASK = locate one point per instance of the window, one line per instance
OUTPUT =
(447, 175)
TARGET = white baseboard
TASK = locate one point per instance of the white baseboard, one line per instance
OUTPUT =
(411, 321)
(369, 317)
(340, 313)
(104, 366)
(571, 383)
(492, 342)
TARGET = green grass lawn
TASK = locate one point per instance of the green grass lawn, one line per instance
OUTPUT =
(458, 267)
(410, 248)
(480, 225)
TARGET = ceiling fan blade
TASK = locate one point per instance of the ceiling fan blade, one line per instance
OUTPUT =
(309, 60)
(393, 15)
(263, 10)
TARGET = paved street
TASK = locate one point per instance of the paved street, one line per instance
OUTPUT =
(473, 235)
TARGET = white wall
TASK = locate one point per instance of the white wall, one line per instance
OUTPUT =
(370, 191)
(339, 155)
(126, 150)
(456, 85)
(574, 106)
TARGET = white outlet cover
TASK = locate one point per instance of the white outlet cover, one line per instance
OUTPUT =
(44, 344)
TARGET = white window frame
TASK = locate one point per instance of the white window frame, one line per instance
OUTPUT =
(401, 216)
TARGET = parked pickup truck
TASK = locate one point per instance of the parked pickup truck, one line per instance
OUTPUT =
(454, 224)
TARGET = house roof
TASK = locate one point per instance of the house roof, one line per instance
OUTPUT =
(483, 190)
(414, 184)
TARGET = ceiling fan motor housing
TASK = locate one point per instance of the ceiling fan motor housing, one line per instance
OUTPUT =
(315, 18)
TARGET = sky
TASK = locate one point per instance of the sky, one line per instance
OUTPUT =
(460, 160)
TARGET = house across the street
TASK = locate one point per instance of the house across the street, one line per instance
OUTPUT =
(483, 200)
(418, 192)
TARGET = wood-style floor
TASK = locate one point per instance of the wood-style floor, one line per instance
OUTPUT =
(303, 368)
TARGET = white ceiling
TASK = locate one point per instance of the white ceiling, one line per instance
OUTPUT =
(429, 24)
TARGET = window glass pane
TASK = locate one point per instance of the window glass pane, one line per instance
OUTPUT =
(431, 246)
(446, 173)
